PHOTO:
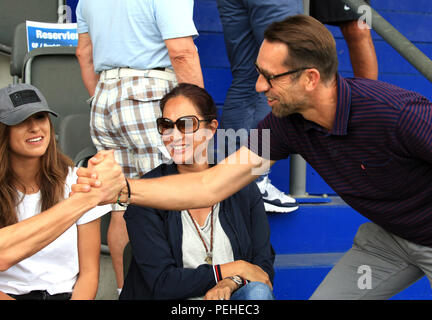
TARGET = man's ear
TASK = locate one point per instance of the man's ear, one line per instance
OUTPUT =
(312, 78)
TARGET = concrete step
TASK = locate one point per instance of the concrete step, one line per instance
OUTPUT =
(309, 242)
(298, 275)
(314, 228)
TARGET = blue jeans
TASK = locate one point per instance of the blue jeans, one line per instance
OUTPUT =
(244, 23)
(253, 291)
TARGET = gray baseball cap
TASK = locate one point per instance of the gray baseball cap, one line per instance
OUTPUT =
(20, 101)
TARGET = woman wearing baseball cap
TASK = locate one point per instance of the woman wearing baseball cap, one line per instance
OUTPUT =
(49, 243)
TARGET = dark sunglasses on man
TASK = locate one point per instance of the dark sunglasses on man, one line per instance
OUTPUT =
(186, 124)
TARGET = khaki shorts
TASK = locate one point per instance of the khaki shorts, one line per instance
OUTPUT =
(333, 12)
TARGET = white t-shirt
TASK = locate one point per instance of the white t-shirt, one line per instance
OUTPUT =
(54, 268)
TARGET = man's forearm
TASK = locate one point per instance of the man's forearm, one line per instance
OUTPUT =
(172, 193)
(188, 69)
(84, 53)
(185, 60)
(90, 78)
(182, 191)
(201, 189)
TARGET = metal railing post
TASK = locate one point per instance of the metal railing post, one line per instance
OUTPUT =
(306, 6)
(297, 185)
(297, 176)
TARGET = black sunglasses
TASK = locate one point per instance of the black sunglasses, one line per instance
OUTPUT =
(186, 124)
(268, 78)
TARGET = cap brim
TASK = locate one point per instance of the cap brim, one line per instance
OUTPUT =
(19, 115)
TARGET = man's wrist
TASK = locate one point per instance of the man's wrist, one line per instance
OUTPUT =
(123, 195)
(123, 198)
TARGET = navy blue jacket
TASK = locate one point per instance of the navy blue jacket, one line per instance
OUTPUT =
(156, 270)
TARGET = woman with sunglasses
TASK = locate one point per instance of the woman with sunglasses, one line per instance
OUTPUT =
(219, 252)
(42, 257)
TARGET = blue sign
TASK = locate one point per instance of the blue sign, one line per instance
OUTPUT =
(42, 34)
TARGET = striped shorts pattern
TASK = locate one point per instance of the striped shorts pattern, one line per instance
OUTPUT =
(123, 118)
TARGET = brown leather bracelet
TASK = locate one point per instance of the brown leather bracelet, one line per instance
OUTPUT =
(124, 204)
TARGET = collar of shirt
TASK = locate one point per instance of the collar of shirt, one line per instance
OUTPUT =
(343, 107)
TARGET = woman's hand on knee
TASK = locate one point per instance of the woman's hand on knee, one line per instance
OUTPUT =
(222, 290)
(252, 272)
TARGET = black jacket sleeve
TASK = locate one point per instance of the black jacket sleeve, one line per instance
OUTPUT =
(263, 253)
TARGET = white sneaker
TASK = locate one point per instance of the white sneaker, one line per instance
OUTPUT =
(274, 199)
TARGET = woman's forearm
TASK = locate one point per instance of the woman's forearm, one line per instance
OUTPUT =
(23, 239)
(245, 270)
(4, 296)
(86, 287)
(89, 261)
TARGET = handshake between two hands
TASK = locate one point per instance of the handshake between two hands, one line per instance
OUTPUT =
(103, 177)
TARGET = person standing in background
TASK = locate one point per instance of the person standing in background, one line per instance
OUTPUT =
(131, 53)
(220, 252)
(244, 22)
(359, 40)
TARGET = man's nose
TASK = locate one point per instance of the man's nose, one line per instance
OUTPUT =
(261, 84)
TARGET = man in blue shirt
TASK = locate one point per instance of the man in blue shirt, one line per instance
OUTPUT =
(369, 140)
(131, 54)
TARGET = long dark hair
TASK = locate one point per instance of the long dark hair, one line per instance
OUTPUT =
(52, 176)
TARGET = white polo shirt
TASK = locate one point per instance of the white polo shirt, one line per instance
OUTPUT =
(54, 268)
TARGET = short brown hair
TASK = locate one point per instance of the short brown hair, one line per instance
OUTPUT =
(309, 44)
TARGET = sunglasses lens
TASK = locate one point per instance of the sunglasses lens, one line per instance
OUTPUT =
(164, 125)
(187, 124)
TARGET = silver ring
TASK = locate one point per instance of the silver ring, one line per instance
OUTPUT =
(221, 298)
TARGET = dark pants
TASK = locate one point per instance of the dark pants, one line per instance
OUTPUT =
(244, 23)
(333, 12)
